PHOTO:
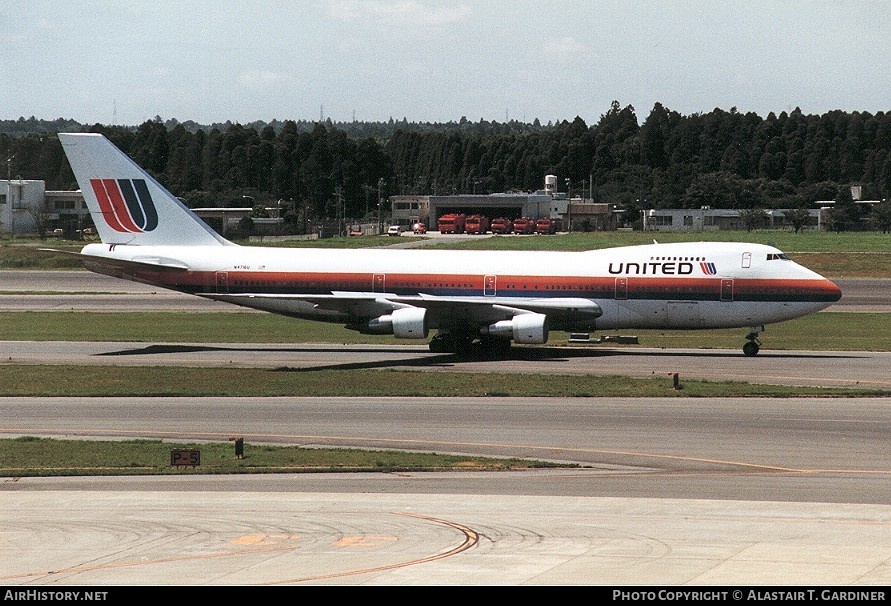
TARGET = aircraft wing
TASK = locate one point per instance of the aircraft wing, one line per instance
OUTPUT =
(492, 309)
(442, 311)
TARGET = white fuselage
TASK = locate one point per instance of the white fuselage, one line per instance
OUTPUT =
(684, 285)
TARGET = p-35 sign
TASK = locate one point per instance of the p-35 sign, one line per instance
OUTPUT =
(185, 457)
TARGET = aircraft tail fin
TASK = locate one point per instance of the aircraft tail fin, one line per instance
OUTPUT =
(127, 205)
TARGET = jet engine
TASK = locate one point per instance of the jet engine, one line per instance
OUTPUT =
(405, 323)
(522, 328)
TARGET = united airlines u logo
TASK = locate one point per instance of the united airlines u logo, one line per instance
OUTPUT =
(708, 269)
(126, 204)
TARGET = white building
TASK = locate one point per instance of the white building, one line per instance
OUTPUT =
(713, 219)
(21, 205)
(25, 206)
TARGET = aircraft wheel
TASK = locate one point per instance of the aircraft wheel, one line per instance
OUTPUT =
(463, 346)
(751, 348)
(495, 346)
(442, 343)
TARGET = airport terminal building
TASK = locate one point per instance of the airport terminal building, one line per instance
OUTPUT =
(576, 214)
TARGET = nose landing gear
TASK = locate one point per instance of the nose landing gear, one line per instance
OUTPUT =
(753, 345)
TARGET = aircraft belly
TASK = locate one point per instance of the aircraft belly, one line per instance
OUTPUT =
(699, 314)
(288, 307)
(660, 314)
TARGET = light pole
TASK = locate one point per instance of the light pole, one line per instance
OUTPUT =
(9, 195)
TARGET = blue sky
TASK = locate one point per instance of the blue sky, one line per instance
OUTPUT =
(128, 61)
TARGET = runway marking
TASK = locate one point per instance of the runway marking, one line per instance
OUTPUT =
(264, 539)
(471, 538)
(365, 540)
(146, 562)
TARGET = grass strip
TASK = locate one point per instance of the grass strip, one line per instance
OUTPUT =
(169, 381)
(35, 456)
(828, 331)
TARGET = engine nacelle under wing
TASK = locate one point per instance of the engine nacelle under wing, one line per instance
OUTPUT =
(405, 323)
(522, 328)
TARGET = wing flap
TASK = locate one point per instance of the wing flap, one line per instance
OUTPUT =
(347, 305)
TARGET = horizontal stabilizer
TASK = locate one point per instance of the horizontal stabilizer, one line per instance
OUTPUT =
(157, 263)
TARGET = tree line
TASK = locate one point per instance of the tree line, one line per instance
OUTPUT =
(322, 170)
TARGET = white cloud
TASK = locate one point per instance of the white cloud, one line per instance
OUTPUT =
(399, 14)
(566, 49)
(259, 78)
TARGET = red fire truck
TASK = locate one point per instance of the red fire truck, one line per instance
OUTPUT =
(451, 223)
(524, 225)
(547, 226)
(476, 224)
(501, 225)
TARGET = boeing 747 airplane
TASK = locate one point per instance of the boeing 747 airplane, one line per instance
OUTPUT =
(494, 298)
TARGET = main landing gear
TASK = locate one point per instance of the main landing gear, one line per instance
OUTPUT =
(446, 342)
(469, 345)
(753, 345)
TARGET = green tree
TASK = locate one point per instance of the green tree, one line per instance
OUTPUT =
(718, 189)
(798, 217)
(245, 227)
(844, 214)
(880, 216)
(754, 218)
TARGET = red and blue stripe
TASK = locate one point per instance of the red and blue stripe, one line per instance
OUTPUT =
(126, 204)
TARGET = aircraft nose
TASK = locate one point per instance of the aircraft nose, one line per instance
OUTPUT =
(830, 290)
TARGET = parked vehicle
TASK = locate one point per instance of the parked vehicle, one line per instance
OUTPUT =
(500, 225)
(547, 226)
(394, 230)
(419, 228)
(476, 224)
(451, 223)
(524, 225)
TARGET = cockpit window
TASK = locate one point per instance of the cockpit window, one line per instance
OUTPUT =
(775, 256)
